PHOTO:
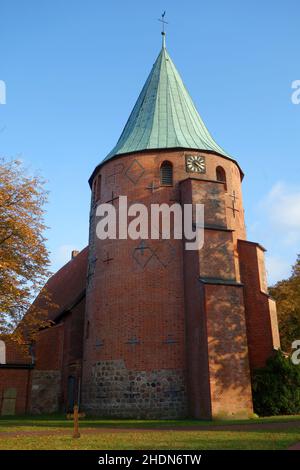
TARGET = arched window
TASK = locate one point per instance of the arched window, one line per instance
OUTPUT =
(166, 174)
(2, 352)
(221, 175)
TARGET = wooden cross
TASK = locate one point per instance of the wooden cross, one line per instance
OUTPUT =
(75, 416)
(108, 259)
(113, 198)
(152, 187)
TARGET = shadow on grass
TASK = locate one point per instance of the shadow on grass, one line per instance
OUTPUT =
(59, 421)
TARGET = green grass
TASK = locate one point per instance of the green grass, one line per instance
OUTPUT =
(58, 421)
(140, 434)
(158, 440)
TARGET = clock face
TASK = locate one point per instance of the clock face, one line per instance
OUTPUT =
(195, 164)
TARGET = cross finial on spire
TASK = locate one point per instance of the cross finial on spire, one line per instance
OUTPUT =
(163, 21)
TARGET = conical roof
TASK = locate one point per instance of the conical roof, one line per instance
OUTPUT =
(164, 115)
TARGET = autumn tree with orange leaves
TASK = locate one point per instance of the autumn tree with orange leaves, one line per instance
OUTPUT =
(23, 255)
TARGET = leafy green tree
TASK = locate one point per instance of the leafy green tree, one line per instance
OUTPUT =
(276, 387)
(287, 296)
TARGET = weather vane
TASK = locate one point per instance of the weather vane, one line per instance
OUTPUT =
(163, 21)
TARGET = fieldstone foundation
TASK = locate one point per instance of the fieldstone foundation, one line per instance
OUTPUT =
(116, 391)
(45, 391)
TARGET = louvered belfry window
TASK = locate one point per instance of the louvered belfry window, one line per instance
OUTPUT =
(221, 175)
(166, 174)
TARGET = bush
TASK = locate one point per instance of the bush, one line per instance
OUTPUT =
(276, 387)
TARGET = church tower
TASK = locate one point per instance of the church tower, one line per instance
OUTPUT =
(168, 332)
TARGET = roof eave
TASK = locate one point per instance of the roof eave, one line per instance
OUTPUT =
(145, 151)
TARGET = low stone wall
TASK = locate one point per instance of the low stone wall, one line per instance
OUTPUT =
(45, 391)
(116, 391)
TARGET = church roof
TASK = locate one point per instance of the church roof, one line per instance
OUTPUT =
(164, 115)
(66, 287)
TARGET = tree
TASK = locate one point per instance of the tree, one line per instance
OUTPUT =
(287, 296)
(23, 255)
(276, 387)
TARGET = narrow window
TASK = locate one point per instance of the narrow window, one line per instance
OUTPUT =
(221, 175)
(2, 352)
(98, 196)
(166, 174)
(94, 187)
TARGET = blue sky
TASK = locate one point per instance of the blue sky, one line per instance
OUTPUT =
(73, 70)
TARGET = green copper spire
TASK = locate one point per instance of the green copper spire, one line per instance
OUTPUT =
(164, 115)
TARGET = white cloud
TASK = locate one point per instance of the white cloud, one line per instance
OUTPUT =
(282, 209)
(277, 227)
(277, 268)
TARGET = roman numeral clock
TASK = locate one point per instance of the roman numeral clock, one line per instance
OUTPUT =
(195, 164)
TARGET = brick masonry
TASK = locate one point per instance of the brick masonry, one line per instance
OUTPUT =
(19, 380)
(162, 332)
(261, 316)
(140, 296)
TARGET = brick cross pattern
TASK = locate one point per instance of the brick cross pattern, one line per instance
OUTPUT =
(233, 196)
(133, 341)
(152, 187)
(113, 198)
(233, 208)
(117, 170)
(107, 260)
(142, 254)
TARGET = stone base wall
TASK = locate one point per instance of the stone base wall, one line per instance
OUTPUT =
(45, 391)
(116, 391)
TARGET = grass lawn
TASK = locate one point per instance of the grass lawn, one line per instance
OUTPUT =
(55, 432)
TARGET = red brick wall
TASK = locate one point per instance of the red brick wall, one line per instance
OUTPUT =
(73, 347)
(217, 353)
(18, 379)
(49, 348)
(14, 377)
(262, 331)
(230, 383)
(133, 296)
(15, 353)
